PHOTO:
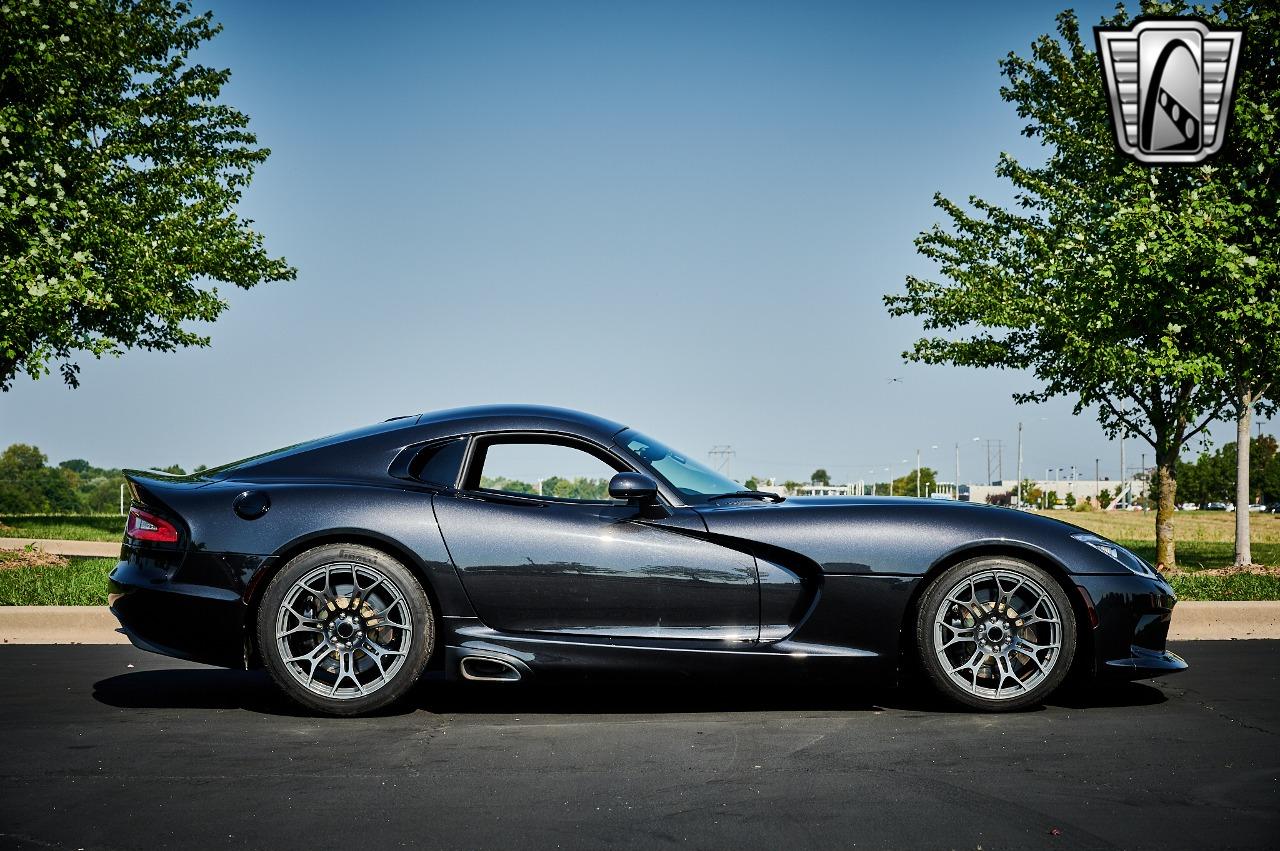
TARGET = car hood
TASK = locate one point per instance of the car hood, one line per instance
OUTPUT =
(896, 535)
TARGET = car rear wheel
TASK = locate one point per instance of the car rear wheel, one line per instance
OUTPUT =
(995, 634)
(345, 629)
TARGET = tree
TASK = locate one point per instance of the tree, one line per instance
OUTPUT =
(1249, 169)
(751, 483)
(76, 465)
(820, 477)
(1051, 499)
(906, 485)
(1070, 501)
(1104, 498)
(27, 486)
(1111, 282)
(120, 172)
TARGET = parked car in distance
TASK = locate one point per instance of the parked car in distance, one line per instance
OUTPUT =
(1215, 506)
(1257, 507)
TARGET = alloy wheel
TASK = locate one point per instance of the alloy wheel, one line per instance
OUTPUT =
(997, 634)
(343, 630)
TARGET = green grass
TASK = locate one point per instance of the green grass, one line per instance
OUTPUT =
(63, 527)
(83, 582)
(1239, 586)
(1198, 555)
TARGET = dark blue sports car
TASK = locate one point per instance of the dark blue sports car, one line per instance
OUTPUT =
(510, 542)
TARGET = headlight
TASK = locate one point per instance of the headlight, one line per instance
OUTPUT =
(1127, 559)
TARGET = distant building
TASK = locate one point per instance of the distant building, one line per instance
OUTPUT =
(830, 490)
(1124, 493)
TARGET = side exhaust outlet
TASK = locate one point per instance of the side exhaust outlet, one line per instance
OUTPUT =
(488, 669)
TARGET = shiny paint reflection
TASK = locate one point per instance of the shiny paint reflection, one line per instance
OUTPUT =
(595, 570)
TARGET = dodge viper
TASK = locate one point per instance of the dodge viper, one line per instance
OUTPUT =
(508, 543)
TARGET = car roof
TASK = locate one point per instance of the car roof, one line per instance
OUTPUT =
(366, 453)
(514, 417)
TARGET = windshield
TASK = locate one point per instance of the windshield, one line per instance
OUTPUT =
(681, 472)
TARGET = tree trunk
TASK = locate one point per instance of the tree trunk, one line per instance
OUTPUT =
(1244, 555)
(1166, 491)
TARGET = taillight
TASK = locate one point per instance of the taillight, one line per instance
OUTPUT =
(145, 526)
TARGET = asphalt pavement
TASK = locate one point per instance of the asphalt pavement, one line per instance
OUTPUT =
(109, 747)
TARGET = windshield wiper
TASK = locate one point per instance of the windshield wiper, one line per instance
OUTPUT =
(765, 495)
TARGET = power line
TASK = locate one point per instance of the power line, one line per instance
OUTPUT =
(721, 458)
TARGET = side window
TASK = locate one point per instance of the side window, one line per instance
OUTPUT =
(438, 464)
(549, 470)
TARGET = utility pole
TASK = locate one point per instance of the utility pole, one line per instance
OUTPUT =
(1123, 480)
(1097, 492)
(724, 453)
(957, 471)
(917, 474)
(1019, 465)
(998, 446)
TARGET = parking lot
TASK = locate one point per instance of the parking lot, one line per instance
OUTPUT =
(109, 747)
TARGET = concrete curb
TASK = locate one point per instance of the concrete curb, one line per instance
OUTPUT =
(96, 625)
(94, 549)
(59, 625)
(1225, 619)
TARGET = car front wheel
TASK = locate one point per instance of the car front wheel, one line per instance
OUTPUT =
(345, 629)
(995, 634)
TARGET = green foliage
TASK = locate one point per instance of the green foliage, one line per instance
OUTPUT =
(64, 527)
(578, 487)
(906, 485)
(1235, 586)
(1051, 499)
(27, 485)
(1212, 476)
(820, 477)
(1070, 501)
(1146, 293)
(82, 582)
(1104, 498)
(1197, 555)
(120, 172)
(751, 483)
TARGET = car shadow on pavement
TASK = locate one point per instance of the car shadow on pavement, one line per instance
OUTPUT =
(675, 697)
(196, 688)
(253, 691)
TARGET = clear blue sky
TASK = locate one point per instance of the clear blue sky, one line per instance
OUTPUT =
(681, 215)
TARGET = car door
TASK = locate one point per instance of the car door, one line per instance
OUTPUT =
(540, 547)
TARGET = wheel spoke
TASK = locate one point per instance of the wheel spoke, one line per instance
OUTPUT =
(1007, 596)
(306, 625)
(312, 656)
(346, 671)
(959, 634)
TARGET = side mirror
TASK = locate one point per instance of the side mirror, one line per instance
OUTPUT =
(640, 491)
(635, 488)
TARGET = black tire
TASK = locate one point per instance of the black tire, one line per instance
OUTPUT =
(941, 642)
(344, 634)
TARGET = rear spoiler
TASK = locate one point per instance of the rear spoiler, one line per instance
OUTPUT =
(149, 487)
